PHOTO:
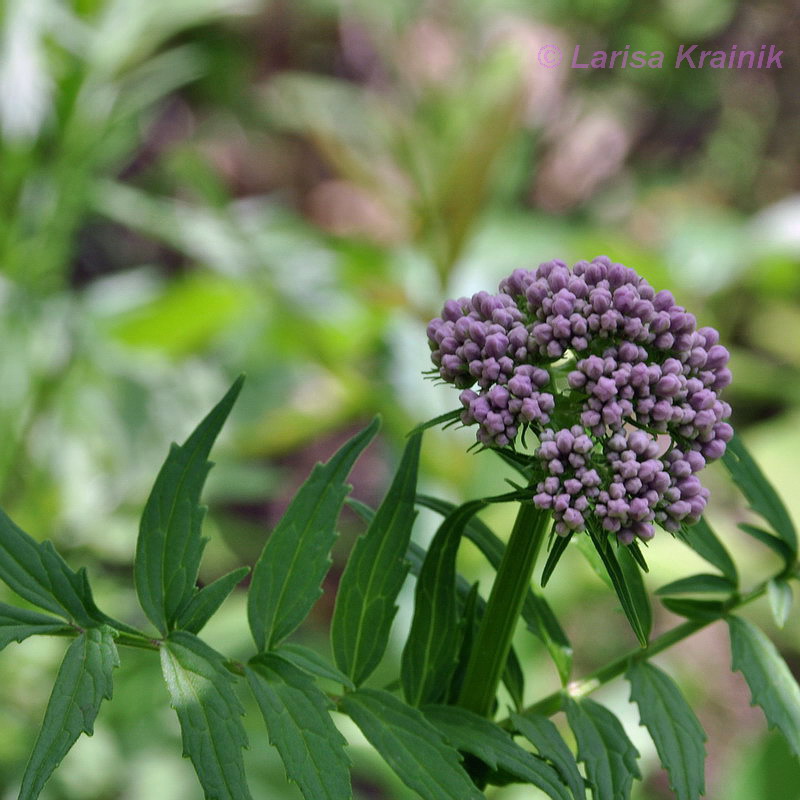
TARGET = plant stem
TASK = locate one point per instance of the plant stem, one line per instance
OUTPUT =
(490, 651)
(577, 689)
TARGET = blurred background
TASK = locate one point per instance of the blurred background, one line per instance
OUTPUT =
(190, 189)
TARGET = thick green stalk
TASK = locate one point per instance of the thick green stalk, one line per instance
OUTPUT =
(490, 651)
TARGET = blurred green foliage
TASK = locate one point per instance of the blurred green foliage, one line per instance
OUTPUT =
(194, 188)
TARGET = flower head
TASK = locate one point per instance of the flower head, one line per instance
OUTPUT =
(638, 414)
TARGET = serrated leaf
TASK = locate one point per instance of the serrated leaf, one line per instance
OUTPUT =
(471, 733)
(374, 575)
(780, 597)
(205, 603)
(300, 727)
(83, 682)
(702, 610)
(703, 583)
(544, 736)
(771, 683)
(429, 656)
(775, 544)
(410, 745)
(627, 583)
(558, 548)
(702, 539)
(38, 573)
(678, 736)
(313, 663)
(763, 498)
(202, 693)
(17, 624)
(287, 577)
(170, 545)
(605, 749)
(536, 611)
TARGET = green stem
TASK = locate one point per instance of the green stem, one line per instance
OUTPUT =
(594, 680)
(493, 642)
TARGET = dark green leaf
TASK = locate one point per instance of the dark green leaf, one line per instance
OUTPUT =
(205, 603)
(446, 419)
(202, 693)
(704, 583)
(296, 558)
(313, 663)
(36, 572)
(759, 491)
(17, 624)
(631, 571)
(676, 731)
(170, 545)
(702, 539)
(83, 681)
(627, 584)
(558, 548)
(300, 727)
(780, 600)
(536, 612)
(471, 733)
(544, 736)
(410, 745)
(429, 656)
(604, 747)
(374, 576)
(771, 683)
(468, 624)
(695, 609)
(634, 549)
(773, 542)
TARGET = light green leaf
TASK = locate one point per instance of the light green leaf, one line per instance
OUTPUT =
(604, 747)
(170, 546)
(205, 603)
(287, 577)
(83, 681)
(763, 498)
(313, 663)
(202, 693)
(17, 624)
(676, 731)
(410, 745)
(544, 736)
(300, 727)
(771, 683)
(702, 539)
(429, 656)
(780, 597)
(703, 583)
(471, 733)
(374, 576)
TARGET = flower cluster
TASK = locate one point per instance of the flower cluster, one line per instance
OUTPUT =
(640, 400)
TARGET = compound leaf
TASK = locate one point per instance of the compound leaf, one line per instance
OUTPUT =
(205, 603)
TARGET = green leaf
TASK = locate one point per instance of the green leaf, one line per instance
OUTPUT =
(410, 745)
(702, 539)
(771, 683)
(604, 747)
(471, 733)
(780, 597)
(632, 574)
(374, 575)
(775, 544)
(759, 491)
(558, 548)
(627, 583)
(205, 603)
(446, 419)
(38, 573)
(170, 545)
(202, 693)
(17, 624)
(703, 583)
(300, 727)
(287, 577)
(544, 736)
(536, 611)
(429, 656)
(702, 610)
(83, 681)
(313, 663)
(676, 731)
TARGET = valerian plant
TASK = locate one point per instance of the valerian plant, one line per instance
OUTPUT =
(604, 397)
